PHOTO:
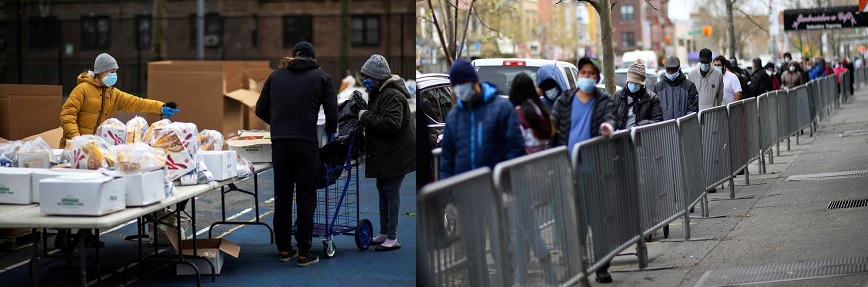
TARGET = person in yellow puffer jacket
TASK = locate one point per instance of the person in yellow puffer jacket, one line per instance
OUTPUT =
(95, 99)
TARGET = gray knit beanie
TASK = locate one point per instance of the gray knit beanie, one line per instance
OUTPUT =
(104, 62)
(376, 67)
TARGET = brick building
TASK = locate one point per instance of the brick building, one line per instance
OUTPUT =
(638, 26)
(59, 39)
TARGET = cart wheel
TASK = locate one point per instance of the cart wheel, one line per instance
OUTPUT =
(328, 247)
(666, 231)
(364, 234)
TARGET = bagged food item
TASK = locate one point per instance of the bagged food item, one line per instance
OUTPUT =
(155, 129)
(136, 129)
(9, 153)
(180, 142)
(244, 166)
(199, 175)
(211, 140)
(113, 131)
(35, 154)
(139, 157)
(92, 152)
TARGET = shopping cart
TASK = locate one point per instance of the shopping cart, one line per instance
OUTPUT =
(337, 211)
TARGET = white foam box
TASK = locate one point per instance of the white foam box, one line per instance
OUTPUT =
(212, 249)
(40, 174)
(15, 185)
(77, 195)
(223, 164)
(144, 189)
(254, 146)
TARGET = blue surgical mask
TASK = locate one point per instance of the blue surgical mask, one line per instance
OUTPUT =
(633, 87)
(464, 92)
(704, 67)
(720, 69)
(110, 80)
(368, 83)
(587, 85)
(672, 77)
(552, 94)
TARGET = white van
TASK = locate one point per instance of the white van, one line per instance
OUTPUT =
(649, 57)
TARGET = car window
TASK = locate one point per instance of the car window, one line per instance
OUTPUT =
(571, 77)
(437, 103)
(502, 76)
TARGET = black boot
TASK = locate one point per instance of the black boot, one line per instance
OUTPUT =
(603, 276)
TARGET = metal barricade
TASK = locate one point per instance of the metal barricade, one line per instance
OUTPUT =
(793, 111)
(435, 155)
(813, 92)
(764, 124)
(803, 108)
(715, 146)
(538, 193)
(691, 152)
(605, 170)
(737, 136)
(752, 131)
(831, 94)
(461, 241)
(659, 173)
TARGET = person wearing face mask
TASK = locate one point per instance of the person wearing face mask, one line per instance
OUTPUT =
(290, 102)
(805, 70)
(760, 81)
(732, 87)
(536, 124)
(551, 84)
(635, 105)
(678, 95)
(838, 70)
(770, 70)
(482, 130)
(709, 82)
(791, 78)
(95, 99)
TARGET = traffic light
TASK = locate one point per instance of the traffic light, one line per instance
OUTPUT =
(666, 39)
(706, 30)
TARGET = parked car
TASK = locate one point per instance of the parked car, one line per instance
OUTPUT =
(501, 71)
(436, 95)
(621, 78)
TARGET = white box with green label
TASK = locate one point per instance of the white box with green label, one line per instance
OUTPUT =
(254, 146)
(41, 173)
(94, 196)
(15, 185)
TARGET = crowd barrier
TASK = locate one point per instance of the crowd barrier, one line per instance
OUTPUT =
(558, 216)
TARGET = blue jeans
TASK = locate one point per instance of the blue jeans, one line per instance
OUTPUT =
(390, 202)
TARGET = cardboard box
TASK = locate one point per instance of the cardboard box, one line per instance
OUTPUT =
(40, 174)
(144, 189)
(52, 137)
(15, 185)
(29, 109)
(222, 164)
(76, 195)
(212, 249)
(162, 239)
(254, 146)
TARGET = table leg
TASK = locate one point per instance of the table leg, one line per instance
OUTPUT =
(81, 255)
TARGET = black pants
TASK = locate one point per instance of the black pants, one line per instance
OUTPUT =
(295, 171)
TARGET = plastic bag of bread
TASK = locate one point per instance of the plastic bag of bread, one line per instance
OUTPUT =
(92, 152)
(113, 131)
(211, 140)
(9, 153)
(35, 153)
(155, 129)
(188, 133)
(137, 158)
(136, 129)
(174, 139)
(244, 167)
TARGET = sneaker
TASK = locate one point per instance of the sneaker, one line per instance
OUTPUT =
(286, 256)
(307, 259)
(378, 240)
(389, 244)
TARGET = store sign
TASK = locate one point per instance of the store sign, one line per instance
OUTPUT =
(824, 19)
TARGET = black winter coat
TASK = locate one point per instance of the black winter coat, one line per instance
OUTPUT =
(390, 131)
(646, 108)
(760, 82)
(677, 98)
(604, 112)
(291, 99)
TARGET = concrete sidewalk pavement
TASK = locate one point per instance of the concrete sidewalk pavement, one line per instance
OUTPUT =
(785, 221)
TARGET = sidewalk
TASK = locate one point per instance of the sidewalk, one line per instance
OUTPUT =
(784, 223)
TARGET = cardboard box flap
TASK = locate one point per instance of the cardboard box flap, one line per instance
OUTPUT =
(2, 140)
(246, 97)
(224, 245)
(52, 137)
(235, 142)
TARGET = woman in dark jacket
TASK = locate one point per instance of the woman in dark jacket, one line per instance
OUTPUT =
(390, 143)
(635, 105)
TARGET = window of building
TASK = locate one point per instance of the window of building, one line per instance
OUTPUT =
(95, 32)
(365, 30)
(143, 32)
(627, 13)
(254, 30)
(628, 39)
(213, 30)
(2, 36)
(44, 33)
(297, 28)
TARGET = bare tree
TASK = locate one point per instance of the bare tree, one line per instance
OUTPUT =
(451, 20)
(604, 9)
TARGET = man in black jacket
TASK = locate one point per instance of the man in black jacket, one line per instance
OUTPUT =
(390, 143)
(678, 95)
(290, 102)
(760, 81)
(635, 105)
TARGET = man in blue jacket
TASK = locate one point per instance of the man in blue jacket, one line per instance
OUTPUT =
(483, 130)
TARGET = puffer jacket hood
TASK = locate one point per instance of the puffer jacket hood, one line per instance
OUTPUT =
(88, 77)
(489, 93)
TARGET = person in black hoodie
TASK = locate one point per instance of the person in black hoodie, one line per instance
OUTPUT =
(290, 102)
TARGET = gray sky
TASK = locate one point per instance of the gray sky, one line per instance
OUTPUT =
(680, 9)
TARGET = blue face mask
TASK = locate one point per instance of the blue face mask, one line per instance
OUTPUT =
(464, 92)
(110, 80)
(633, 87)
(368, 83)
(672, 77)
(552, 94)
(719, 69)
(704, 67)
(587, 85)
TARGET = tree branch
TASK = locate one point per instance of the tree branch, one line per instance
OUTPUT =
(652, 5)
(476, 13)
(613, 5)
(750, 19)
(440, 34)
